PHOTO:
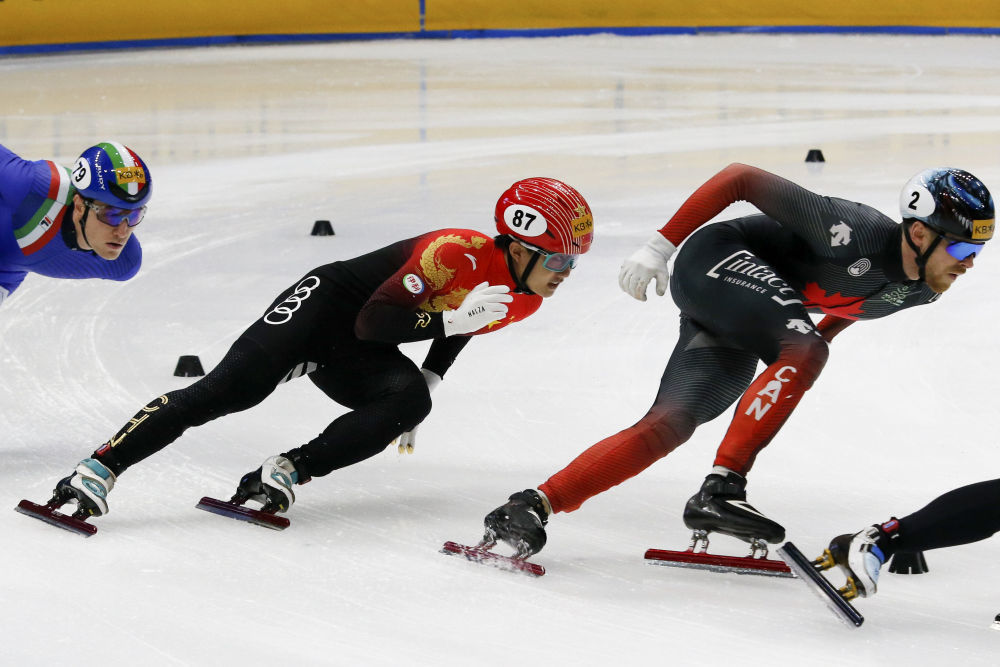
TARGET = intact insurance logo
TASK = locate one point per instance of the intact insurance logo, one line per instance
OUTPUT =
(746, 270)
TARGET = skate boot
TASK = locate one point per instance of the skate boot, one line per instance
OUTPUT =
(270, 485)
(721, 506)
(88, 485)
(520, 523)
(861, 557)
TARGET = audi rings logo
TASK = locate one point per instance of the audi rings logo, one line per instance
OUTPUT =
(283, 311)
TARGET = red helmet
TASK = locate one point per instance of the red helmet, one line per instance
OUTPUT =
(547, 214)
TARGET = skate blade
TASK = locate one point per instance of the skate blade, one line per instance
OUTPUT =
(53, 517)
(486, 557)
(241, 513)
(820, 585)
(718, 563)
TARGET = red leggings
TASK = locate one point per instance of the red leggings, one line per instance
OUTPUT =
(710, 369)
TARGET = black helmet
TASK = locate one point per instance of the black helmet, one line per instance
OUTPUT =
(952, 202)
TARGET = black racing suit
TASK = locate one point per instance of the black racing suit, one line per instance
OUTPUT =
(966, 514)
(745, 288)
(341, 324)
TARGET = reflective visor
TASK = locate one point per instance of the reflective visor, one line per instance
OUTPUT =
(558, 262)
(113, 216)
(962, 250)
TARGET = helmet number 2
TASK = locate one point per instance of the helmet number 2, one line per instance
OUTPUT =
(520, 218)
(916, 201)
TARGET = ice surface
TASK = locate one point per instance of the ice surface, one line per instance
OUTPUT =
(249, 145)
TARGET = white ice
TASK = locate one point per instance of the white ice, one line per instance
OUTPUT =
(248, 146)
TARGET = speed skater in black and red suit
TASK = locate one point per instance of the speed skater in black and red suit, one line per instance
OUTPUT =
(745, 288)
(341, 324)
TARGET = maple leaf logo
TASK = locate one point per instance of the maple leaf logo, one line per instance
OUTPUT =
(848, 307)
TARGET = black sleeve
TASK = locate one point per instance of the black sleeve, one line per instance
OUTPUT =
(388, 312)
(388, 323)
(443, 352)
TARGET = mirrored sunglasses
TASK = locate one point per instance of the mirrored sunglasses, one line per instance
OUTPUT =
(111, 215)
(961, 250)
(556, 262)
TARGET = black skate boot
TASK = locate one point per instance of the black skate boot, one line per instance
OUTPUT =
(721, 506)
(270, 485)
(520, 523)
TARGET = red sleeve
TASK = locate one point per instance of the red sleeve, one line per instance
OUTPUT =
(737, 182)
(831, 325)
(456, 261)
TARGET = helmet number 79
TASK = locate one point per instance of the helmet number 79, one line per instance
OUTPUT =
(80, 171)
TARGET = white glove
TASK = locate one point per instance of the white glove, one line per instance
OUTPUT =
(409, 438)
(484, 304)
(646, 263)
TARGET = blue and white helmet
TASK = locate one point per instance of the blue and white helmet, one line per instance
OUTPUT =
(952, 202)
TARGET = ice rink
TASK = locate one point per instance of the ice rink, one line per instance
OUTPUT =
(249, 145)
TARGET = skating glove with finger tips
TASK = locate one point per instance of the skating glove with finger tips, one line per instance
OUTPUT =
(485, 303)
(645, 264)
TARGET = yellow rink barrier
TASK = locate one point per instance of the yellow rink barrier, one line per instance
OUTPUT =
(497, 14)
(25, 22)
(110, 23)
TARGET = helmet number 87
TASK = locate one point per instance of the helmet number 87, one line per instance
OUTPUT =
(522, 218)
